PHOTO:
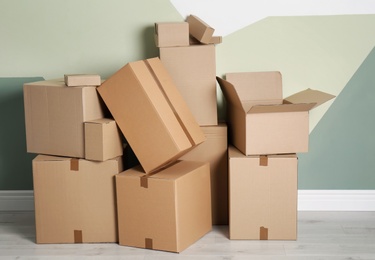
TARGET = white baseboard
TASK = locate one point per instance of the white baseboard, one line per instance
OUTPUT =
(308, 200)
(16, 200)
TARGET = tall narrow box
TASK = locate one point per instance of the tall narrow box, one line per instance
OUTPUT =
(168, 210)
(75, 200)
(215, 151)
(193, 69)
(54, 117)
(263, 196)
(260, 121)
(151, 113)
(103, 140)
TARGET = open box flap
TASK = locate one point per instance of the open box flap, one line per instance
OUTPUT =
(281, 108)
(230, 93)
(309, 96)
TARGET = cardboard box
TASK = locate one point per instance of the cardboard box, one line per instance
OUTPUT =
(151, 113)
(103, 140)
(169, 34)
(214, 151)
(168, 210)
(75, 200)
(193, 69)
(262, 196)
(75, 80)
(54, 117)
(201, 30)
(260, 122)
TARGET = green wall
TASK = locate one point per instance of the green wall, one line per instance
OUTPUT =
(46, 39)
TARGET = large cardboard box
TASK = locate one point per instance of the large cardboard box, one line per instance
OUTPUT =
(151, 113)
(260, 121)
(214, 151)
(262, 196)
(172, 34)
(193, 69)
(54, 117)
(75, 200)
(103, 140)
(168, 210)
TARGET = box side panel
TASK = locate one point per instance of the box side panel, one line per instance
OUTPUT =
(112, 140)
(274, 133)
(214, 150)
(94, 141)
(263, 197)
(193, 69)
(172, 34)
(92, 105)
(80, 198)
(147, 216)
(193, 206)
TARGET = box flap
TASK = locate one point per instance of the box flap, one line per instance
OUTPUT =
(309, 96)
(257, 87)
(230, 93)
(281, 108)
(199, 29)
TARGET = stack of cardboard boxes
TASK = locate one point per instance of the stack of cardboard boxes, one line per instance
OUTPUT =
(166, 110)
(266, 133)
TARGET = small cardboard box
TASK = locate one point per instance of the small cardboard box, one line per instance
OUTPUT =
(172, 34)
(193, 69)
(75, 80)
(75, 200)
(54, 117)
(168, 210)
(202, 31)
(102, 140)
(151, 113)
(214, 151)
(263, 196)
(260, 121)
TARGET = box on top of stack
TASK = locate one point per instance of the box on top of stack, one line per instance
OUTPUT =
(261, 121)
(151, 113)
(55, 116)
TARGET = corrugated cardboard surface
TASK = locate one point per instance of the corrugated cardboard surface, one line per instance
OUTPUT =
(168, 210)
(172, 34)
(54, 116)
(268, 126)
(74, 80)
(193, 69)
(199, 29)
(263, 199)
(214, 151)
(151, 113)
(75, 200)
(102, 140)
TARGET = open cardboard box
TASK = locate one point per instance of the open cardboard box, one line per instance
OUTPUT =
(260, 121)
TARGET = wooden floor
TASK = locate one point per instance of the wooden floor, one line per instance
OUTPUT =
(321, 235)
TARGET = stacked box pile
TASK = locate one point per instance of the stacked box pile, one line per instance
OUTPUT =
(266, 133)
(79, 154)
(187, 50)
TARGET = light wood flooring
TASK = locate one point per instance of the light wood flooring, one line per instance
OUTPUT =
(321, 235)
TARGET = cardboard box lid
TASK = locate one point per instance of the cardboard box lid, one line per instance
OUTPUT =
(301, 101)
(199, 29)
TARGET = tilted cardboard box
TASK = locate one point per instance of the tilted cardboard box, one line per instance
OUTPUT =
(263, 196)
(168, 210)
(260, 121)
(214, 151)
(75, 200)
(151, 113)
(193, 69)
(171, 34)
(54, 117)
(103, 140)
(201, 31)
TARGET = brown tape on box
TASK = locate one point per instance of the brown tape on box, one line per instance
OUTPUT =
(148, 65)
(263, 160)
(263, 233)
(74, 164)
(78, 238)
(144, 181)
(148, 243)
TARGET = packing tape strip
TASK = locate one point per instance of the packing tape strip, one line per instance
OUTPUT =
(148, 243)
(144, 181)
(74, 164)
(263, 233)
(263, 160)
(78, 237)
